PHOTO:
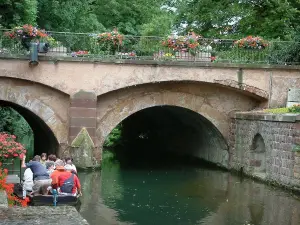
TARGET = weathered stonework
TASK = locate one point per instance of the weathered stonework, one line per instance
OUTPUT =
(48, 104)
(83, 114)
(69, 75)
(82, 151)
(279, 133)
(214, 104)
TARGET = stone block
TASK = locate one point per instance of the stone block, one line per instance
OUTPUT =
(84, 103)
(74, 131)
(297, 169)
(82, 150)
(83, 112)
(293, 95)
(3, 199)
(83, 122)
(297, 175)
(91, 95)
(255, 163)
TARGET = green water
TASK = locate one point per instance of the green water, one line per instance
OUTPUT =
(183, 196)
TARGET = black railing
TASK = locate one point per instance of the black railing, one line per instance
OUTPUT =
(86, 45)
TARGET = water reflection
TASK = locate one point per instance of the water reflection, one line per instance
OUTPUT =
(182, 196)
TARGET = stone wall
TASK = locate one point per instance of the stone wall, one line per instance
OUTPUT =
(262, 145)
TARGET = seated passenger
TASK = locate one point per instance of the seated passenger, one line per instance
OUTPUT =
(28, 180)
(43, 158)
(69, 183)
(59, 168)
(52, 158)
(69, 161)
(50, 167)
(40, 175)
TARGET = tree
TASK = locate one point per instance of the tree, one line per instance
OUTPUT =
(68, 16)
(127, 16)
(270, 18)
(16, 12)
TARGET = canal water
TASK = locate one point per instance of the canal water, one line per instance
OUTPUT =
(182, 195)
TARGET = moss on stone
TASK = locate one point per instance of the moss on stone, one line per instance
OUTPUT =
(296, 148)
(82, 137)
(277, 110)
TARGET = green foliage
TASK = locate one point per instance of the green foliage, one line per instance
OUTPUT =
(68, 15)
(277, 110)
(13, 123)
(296, 148)
(292, 109)
(114, 137)
(127, 16)
(285, 52)
(30, 12)
(270, 19)
(236, 55)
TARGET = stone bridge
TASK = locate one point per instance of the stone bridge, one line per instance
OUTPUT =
(59, 98)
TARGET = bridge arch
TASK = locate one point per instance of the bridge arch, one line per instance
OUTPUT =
(211, 103)
(42, 107)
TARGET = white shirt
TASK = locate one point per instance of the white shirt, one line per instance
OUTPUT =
(28, 179)
(73, 167)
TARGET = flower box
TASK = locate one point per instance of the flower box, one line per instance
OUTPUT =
(183, 56)
(198, 56)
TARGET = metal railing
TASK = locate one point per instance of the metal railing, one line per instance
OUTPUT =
(86, 45)
(14, 167)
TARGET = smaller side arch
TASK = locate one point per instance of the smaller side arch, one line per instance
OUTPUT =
(258, 154)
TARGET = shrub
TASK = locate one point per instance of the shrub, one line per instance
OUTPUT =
(9, 148)
(294, 109)
(9, 189)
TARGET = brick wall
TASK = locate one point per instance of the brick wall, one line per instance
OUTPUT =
(280, 134)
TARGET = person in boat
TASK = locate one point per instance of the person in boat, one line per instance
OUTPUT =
(50, 167)
(52, 158)
(68, 182)
(43, 158)
(40, 175)
(59, 168)
(69, 161)
(28, 180)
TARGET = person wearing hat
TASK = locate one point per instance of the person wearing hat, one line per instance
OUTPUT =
(68, 182)
(59, 168)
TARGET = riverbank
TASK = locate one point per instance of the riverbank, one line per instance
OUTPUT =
(45, 215)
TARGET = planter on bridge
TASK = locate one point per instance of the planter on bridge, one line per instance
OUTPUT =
(198, 56)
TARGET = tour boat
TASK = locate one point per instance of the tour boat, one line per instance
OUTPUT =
(47, 200)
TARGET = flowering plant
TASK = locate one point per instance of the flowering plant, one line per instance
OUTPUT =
(9, 148)
(9, 188)
(183, 43)
(251, 43)
(27, 32)
(79, 53)
(110, 40)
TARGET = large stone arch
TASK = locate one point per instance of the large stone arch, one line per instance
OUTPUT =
(48, 104)
(210, 101)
